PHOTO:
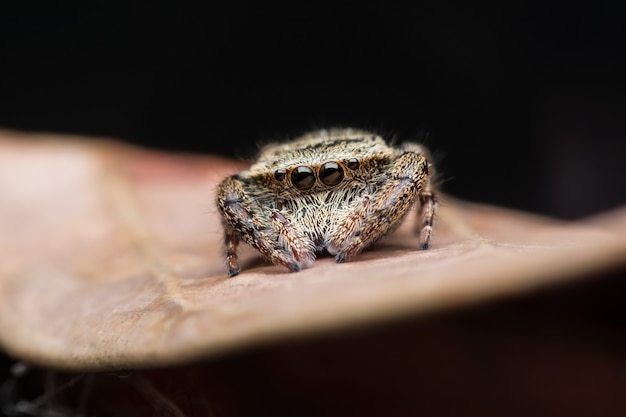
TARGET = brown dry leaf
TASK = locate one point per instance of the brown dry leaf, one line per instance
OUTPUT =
(110, 257)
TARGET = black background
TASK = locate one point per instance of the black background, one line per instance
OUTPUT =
(521, 102)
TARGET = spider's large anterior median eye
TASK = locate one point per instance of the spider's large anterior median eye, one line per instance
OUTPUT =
(331, 173)
(302, 177)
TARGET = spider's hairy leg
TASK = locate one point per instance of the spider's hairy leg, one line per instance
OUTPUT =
(385, 211)
(426, 214)
(231, 241)
(241, 221)
(293, 239)
(348, 226)
(427, 198)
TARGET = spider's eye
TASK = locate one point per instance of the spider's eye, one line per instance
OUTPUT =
(302, 177)
(353, 163)
(279, 174)
(331, 173)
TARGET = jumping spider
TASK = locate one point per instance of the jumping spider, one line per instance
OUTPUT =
(338, 190)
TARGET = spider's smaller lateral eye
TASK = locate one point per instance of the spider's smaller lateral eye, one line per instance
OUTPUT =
(279, 174)
(353, 163)
(331, 173)
(302, 177)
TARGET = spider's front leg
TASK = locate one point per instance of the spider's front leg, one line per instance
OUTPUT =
(373, 217)
(268, 231)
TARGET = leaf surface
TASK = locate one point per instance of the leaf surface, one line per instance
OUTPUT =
(110, 258)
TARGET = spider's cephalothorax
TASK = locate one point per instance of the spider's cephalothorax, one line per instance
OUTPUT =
(337, 190)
